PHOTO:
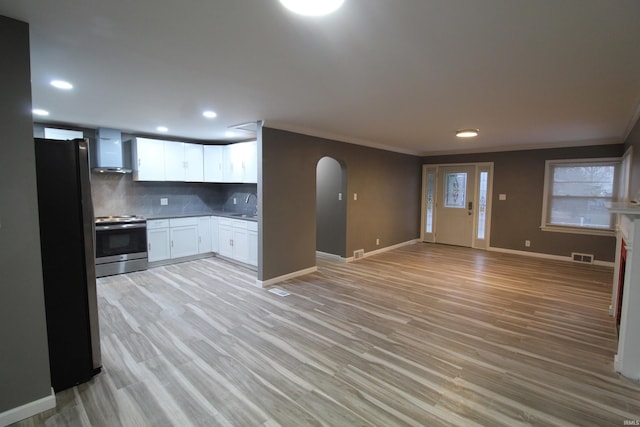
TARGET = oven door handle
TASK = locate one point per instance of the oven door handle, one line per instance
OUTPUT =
(119, 227)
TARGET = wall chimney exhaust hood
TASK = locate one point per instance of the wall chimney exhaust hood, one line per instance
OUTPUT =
(111, 154)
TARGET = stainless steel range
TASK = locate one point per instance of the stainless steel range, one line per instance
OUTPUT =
(121, 244)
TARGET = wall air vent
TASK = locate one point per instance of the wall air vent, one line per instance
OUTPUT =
(583, 258)
(359, 254)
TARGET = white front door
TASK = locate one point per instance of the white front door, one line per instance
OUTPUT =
(455, 205)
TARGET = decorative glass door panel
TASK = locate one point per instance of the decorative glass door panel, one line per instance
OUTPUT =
(482, 205)
(430, 202)
(455, 190)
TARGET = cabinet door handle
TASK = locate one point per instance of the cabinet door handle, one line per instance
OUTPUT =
(231, 242)
(172, 243)
(149, 247)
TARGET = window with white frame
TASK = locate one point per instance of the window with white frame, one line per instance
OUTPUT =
(575, 195)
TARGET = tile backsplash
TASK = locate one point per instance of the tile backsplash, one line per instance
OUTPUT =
(116, 194)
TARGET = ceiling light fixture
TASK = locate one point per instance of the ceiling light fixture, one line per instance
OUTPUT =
(312, 7)
(467, 133)
(61, 84)
(40, 112)
(162, 129)
(209, 114)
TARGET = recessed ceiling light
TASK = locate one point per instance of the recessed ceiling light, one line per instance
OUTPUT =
(209, 114)
(467, 133)
(162, 129)
(312, 7)
(61, 84)
(40, 112)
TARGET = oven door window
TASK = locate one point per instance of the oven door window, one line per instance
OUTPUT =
(120, 241)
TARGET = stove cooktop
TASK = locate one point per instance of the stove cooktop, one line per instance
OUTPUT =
(120, 218)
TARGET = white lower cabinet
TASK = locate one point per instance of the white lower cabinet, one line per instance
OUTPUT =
(158, 240)
(236, 242)
(184, 237)
(204, 235)
(252, 233)
(225, 237)
(215, 246)
(241, 243)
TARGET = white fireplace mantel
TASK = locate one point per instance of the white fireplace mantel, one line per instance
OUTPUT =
(627, 361)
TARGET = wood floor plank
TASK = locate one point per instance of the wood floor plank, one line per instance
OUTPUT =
(423, 335)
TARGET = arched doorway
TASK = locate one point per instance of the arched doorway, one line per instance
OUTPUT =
(331, 207)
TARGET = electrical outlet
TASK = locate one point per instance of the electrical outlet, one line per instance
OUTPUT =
(355, 196)
(339, 196)
(377, 242)
(164, 201)
(235, 201)
(502, 197)
(527, 243)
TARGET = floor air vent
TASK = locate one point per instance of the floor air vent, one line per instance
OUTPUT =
(279, 292)
(583, 258)
(359, 254)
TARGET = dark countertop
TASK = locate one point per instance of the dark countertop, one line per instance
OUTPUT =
(223, 214)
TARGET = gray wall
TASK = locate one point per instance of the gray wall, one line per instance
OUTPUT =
(634, 141)
(24, 357)
(388, 207)
(520, 175)
(331, 212)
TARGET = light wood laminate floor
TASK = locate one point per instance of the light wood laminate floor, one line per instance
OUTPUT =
(425, 335)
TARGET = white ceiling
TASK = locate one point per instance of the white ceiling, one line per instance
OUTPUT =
(397, 74)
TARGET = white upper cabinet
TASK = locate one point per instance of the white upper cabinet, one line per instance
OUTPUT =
(183, 162)
(240, 162)
(232, 169)
(213, 163)
(148, 159)
(194, 163)
(173, 161)
(159, 160)
(250, 164)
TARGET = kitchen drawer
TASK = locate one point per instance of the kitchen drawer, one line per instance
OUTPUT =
(229, 222)
(252, 225)
(157, 223)
(184, 222)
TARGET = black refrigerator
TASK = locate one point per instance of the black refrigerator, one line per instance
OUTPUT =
(68, 260)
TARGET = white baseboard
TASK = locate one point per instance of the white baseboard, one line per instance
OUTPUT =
(617, 363)
(386, 249)
(332, 257)
(265, 283)
(547, 256)
(28, 410)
